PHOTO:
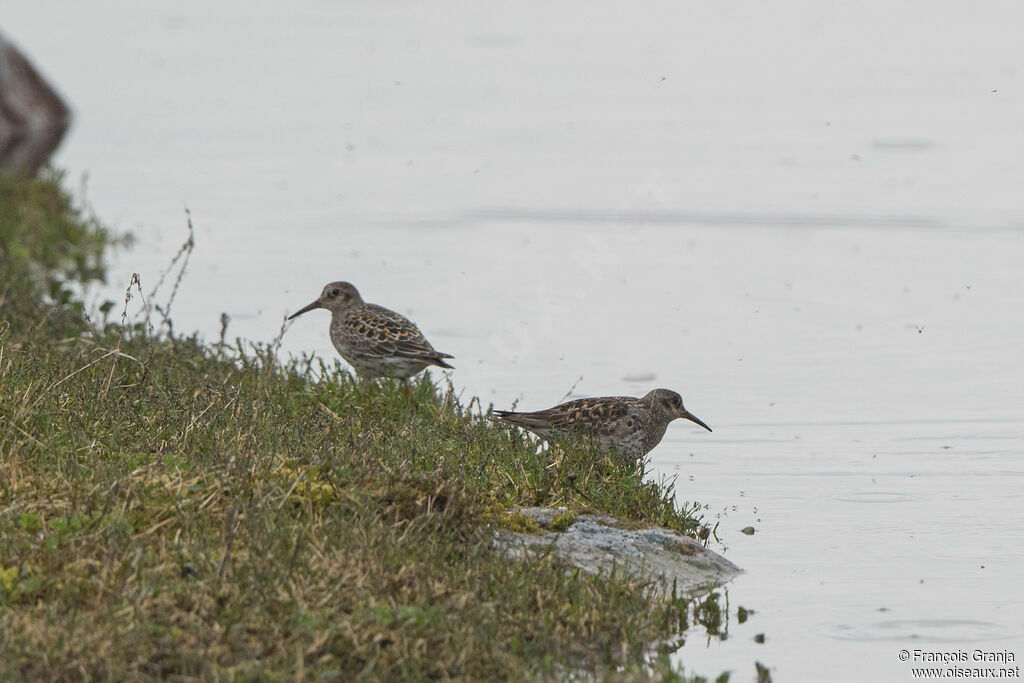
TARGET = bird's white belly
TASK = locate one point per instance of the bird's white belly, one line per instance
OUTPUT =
(630, 446)
(370, 367)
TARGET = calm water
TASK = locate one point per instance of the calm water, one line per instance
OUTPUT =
(805, 218)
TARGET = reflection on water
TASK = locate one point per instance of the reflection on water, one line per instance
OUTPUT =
(934, 630)
(821, 254)
(876, 497)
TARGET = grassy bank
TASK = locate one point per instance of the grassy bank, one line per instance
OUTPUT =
(171, 507)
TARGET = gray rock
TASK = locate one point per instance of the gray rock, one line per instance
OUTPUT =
(596, 542)
(33, 117)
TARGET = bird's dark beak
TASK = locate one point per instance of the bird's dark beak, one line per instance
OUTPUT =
(687, 415)
(315, 304)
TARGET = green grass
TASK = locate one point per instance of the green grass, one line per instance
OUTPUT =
(172, 508)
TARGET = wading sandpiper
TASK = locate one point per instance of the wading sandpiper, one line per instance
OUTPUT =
(377, 342)
(630, 427)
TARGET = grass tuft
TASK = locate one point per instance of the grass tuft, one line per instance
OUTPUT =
(171, 508)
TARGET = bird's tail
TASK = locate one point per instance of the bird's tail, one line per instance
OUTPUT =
(528, 420)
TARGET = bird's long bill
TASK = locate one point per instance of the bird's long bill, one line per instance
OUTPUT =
(687, 415)
(315, 304)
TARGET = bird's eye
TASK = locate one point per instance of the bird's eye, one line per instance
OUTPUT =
(677, 401)
(335, 292)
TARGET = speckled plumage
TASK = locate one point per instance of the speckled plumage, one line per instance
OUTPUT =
(631, 427)
(376, 341)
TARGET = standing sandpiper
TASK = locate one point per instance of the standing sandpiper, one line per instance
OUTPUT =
(631, 427)
(377, 342)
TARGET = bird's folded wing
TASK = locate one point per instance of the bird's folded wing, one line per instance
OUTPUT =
(388, 333)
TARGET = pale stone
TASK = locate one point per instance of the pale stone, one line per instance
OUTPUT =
(596, 542)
